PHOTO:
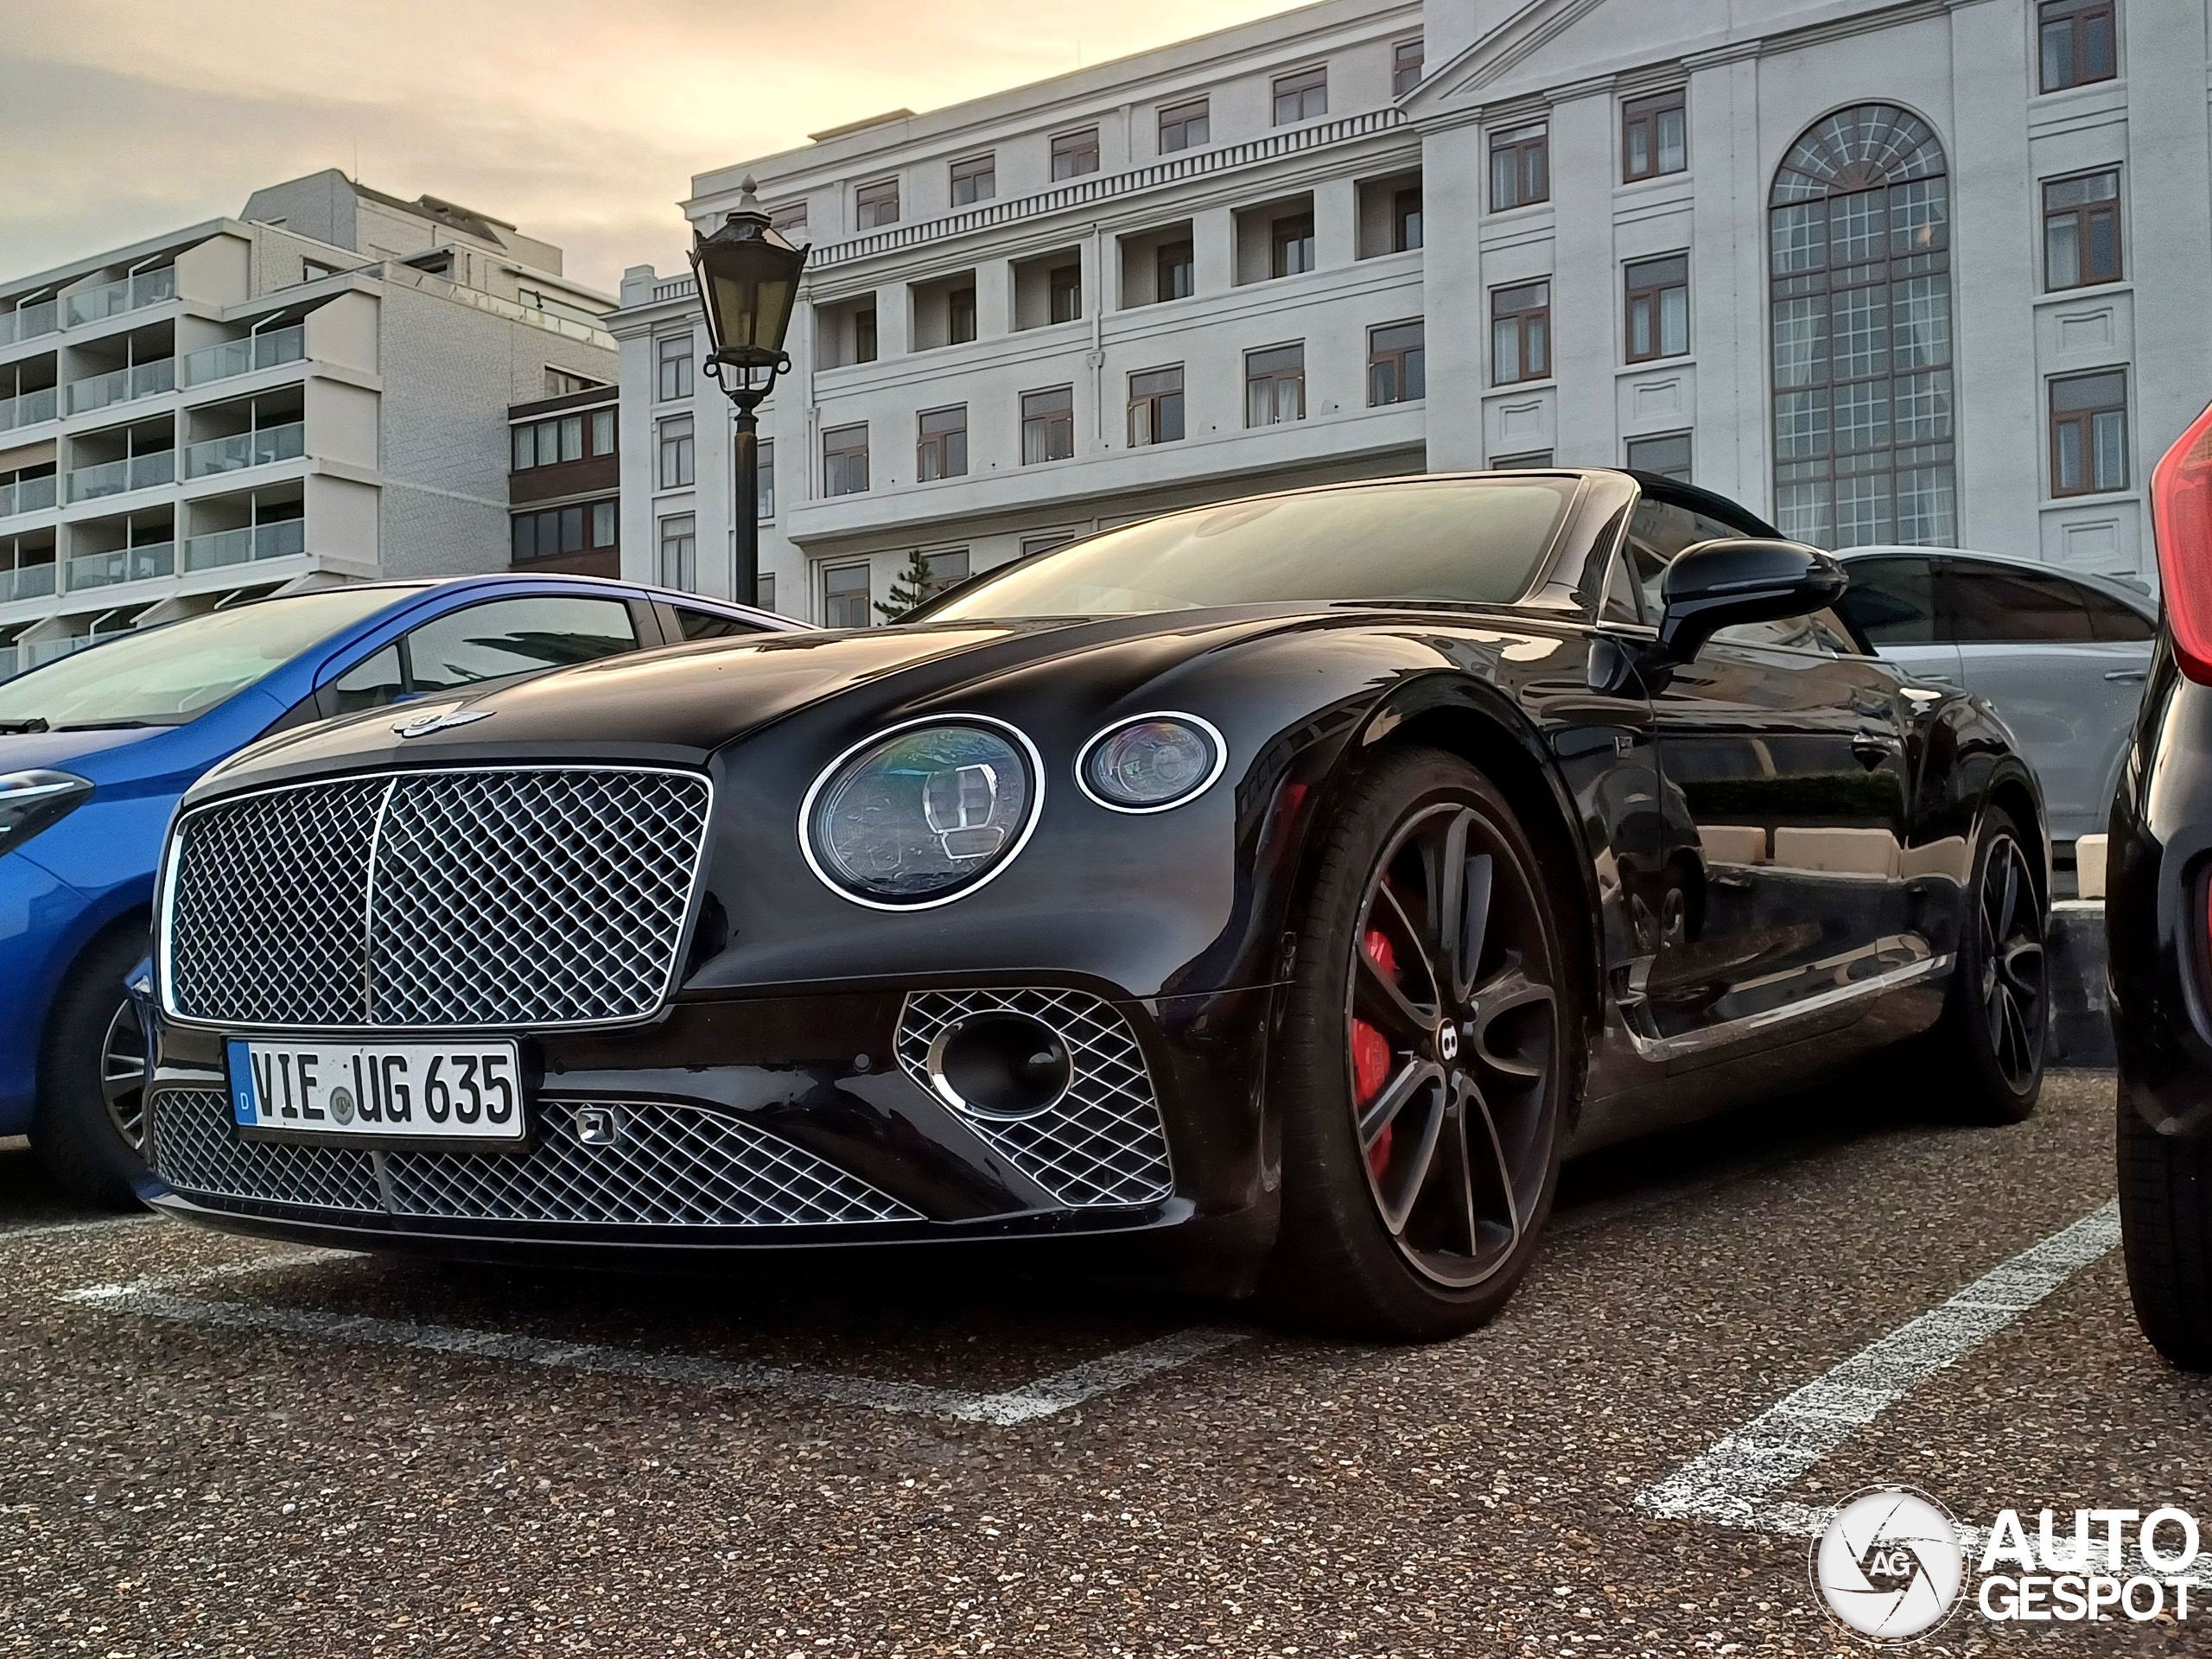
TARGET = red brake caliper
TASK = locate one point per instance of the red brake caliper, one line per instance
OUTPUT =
(1370, 1052)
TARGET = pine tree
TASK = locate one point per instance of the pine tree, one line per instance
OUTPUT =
(911, 587)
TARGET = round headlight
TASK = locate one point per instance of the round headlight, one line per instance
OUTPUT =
(1151, 763)
(921, 815)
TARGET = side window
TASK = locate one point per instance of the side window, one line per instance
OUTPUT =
(1621, 590)
(370, 684)
(1986, 606)
(708, 624)
(515, 636)
(1892, 601)
(2111, 620)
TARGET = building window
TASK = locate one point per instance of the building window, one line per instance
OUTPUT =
(764, 480)
(1065, 284)
(678, 459)
(1519, 167)
(679, 552)
(674, 352)
(1395, 373)
(1047, 425)
(2089, 433)
(844, 597)
(789, 221)
(1405, 67)
(1075, 154)
(1176, 268)
(602, 431)
(1535, 460)
(1290, 245)
(2080, 231)
(941, 447)
(2078, 42)
(1274, 385)
(1520, 333)
(1184, 126)
(764, 590)
(876, 204)
(559, 383)
(1859, 255)
(844, 459)
(1301, 97)
(1654, 136)
(1658, 307)
(1405, 220)
(864, 334)
(974, 180)
(1670, 456)
(960, 316)
(605, 518)
(1155, 406)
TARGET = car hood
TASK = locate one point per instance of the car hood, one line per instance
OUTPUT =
(65, 751)
(681, 704)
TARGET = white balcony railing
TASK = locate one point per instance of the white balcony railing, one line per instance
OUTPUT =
(27, 495)
(29, 321)
(141, 563)
(126, 294)
(27, 582)
(263, 448)
(120, 477)
(234, 357)
(27, 409)
(243, 546)
(122, 385)
(36, 653)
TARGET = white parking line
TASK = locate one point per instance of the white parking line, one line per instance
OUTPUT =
(1733, 1483)
(1045, 1397)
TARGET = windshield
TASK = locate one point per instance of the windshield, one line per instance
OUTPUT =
(165, 676)
(1464, 541)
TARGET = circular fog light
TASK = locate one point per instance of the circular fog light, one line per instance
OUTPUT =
(1152, 763)
(1001, 1066)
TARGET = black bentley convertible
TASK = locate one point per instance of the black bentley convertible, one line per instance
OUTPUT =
(1303, 876)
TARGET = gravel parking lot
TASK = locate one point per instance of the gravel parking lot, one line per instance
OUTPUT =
(216, 1445)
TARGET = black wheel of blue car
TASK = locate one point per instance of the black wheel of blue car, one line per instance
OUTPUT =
(89, 1126)
(1998, 1015)
(1424, 1075)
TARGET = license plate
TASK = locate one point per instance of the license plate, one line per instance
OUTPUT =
(453, 1091)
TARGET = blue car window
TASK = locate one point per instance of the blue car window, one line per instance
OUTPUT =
(514, 636)
(370, 684)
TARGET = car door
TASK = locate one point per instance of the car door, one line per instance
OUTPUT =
(1783, 760)
(1891, 601)
(493, 639)
(2026, 642)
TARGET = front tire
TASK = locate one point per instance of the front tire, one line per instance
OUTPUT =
(90, 1125)
(2165, 1218)
(1997, 1016)
(1423, 1078)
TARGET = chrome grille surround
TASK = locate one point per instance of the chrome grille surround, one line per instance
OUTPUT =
(669, 1166)
(449, 899)
(1103, 1142)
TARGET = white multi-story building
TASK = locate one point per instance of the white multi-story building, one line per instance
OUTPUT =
(314, 391)
(1888, 270)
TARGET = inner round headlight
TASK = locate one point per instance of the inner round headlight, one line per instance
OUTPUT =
(1153, 762)
(920, 816)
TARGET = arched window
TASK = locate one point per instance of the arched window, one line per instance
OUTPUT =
(1860, 232)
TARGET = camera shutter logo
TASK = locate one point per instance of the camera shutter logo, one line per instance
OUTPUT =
(1890, 1565)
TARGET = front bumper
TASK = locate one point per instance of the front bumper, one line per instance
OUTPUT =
(748, 1124)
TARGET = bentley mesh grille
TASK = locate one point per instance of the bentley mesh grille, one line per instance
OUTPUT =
(1102, 1143)
(665, 1166)
(435, 900)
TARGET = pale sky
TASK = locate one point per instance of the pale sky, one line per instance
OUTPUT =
(581, 122)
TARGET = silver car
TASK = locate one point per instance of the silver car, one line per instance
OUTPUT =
(2063, 655)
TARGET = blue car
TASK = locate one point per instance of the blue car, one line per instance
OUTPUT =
(96, 748)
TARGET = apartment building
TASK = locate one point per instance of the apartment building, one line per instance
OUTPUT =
(317, 390)
(565, 488)
(1878, 268)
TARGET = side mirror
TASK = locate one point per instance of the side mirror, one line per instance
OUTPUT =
(1718, 584)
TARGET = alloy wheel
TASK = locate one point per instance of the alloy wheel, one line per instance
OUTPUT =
(123, 1075)
(2012, 988)
(1454, 1027)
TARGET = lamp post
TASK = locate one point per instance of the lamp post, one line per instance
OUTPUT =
(748, 282)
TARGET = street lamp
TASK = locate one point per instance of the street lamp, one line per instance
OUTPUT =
(748, 282)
